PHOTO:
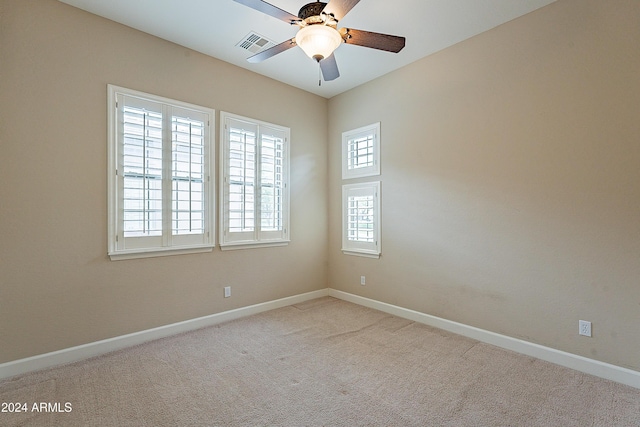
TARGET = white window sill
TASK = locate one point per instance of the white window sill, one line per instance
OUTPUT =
(366, 254)
(252, 245)
(151, 253)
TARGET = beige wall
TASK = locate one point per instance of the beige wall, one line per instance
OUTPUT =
(57, 286)
(510, 181)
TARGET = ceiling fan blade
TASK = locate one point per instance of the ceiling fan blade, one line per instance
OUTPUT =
(329, 68)
(373, 40)
(272, 51)
(339, 8)
(269, 9)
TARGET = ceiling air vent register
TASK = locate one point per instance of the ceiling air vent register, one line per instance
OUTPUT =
(254, 42)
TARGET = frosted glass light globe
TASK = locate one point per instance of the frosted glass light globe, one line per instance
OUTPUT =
(318, 41)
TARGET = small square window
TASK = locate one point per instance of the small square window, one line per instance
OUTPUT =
(361, 152)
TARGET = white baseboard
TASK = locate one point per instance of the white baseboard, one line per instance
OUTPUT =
(589, 366)
(85, 351)
(73, 354)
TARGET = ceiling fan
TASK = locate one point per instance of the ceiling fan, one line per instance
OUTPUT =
(319, 35)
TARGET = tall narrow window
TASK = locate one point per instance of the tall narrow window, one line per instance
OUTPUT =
(361, 152)
(160, 194)
(361, 219)
(254, 185)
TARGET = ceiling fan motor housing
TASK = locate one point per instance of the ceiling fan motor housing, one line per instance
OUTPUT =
(311, 10)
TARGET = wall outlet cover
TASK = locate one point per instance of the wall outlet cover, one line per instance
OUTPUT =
(584, 328)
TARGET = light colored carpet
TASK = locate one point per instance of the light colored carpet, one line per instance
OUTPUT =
(325, 362)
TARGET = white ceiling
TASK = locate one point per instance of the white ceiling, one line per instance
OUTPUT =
(214, 27)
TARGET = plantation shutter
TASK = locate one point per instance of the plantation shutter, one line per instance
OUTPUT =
(188, 176)
(361, 218)
(160, 199)
(141, 169)
(255, 193)
(272, 183)
(361, 152)
(240, 180)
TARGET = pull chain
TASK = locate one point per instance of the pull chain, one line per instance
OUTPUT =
(319, 75)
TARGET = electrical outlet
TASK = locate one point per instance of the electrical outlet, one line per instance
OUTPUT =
(584, 328)
(363, 280)
(227, 291)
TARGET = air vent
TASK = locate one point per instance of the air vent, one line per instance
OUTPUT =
(254, 43)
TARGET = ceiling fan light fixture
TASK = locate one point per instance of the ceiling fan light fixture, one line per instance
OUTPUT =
(318, 41)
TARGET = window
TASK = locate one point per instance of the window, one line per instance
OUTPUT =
(361, 152)
(361, 219)
(160, 191)
(254, 184)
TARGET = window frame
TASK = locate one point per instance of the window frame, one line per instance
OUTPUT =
(372, 130)
(355, 247)
(257, 238)
(121, 247)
